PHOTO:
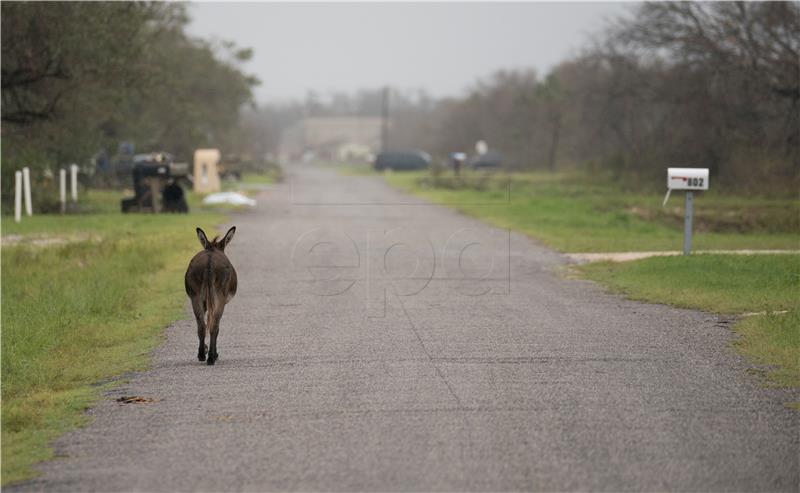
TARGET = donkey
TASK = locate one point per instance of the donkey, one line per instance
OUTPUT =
(210, 282)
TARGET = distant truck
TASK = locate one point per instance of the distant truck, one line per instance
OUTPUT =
(489, 159)
(402, 160)
(155, 184)
(233, 166)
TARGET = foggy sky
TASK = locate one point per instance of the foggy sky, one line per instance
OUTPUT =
(441, 47)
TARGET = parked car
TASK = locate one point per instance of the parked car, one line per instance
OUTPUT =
(402, 160)
(490, 159)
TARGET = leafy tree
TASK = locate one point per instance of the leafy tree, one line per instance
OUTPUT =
(78, 77)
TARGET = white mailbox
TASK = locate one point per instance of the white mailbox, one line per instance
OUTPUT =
(687, 178)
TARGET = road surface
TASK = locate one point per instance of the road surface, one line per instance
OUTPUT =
(381, 343)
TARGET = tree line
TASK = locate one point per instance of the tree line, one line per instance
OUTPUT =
(80, 78)
(672, 84)
(693, 84)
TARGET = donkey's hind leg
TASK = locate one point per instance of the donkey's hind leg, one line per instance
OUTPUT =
(214, 331)
(199, 315)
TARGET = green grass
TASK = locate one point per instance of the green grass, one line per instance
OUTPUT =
(730, 284)
(717, 283)
(102, 201)
(574, 212)
(82, 312)
(773, 340)
(94, 201)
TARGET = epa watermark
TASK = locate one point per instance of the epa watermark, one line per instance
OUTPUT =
(404, 262)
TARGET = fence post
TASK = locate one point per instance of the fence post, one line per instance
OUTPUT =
(74, 181)
(62, 187)
(17, 196)
(26, 187)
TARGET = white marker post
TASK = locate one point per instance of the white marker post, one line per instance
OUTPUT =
(688, 179)
(62, 188)
(18, 196)
(73, 168)
(26, 186)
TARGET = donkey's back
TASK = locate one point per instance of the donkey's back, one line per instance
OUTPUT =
(210, 282)
(211, 269)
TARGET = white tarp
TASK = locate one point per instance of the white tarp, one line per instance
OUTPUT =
(233, 198)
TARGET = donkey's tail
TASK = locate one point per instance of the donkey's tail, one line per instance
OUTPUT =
(209, 287)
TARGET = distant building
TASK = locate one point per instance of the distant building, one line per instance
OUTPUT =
(336, 138)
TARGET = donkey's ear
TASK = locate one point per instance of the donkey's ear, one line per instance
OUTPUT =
(201, 235)
(228, 237)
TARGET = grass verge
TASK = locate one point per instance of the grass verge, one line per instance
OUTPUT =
(80, 312)
(766, 287)
(575, 212)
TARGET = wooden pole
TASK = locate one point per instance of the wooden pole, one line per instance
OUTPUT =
(385, 120)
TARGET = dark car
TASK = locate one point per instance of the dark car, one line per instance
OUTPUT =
(490, 159)
(402, 160)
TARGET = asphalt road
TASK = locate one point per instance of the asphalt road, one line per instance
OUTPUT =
(380, 343)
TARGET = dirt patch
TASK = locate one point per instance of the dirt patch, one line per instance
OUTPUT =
(42, 241)
(135, 399)
(585, 258)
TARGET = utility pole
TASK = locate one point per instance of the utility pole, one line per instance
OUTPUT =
(385, 120)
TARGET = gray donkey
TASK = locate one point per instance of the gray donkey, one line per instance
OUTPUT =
(210, 283)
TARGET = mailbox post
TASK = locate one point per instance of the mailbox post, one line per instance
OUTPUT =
(688, 179)
(457, 159)
(688, 202)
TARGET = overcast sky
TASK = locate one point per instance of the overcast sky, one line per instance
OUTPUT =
(440, 47)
